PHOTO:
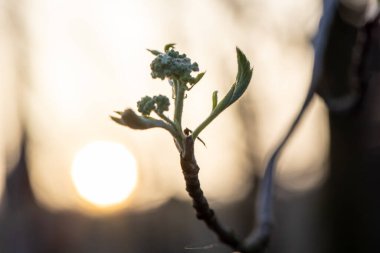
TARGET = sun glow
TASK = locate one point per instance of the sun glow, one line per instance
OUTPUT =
(104, 173)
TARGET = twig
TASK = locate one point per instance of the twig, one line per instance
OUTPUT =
(190, 171)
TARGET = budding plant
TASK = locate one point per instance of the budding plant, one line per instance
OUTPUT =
(178, 70)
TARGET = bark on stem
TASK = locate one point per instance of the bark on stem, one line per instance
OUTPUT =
(190, 171)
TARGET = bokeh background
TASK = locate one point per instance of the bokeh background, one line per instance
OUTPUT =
(67, 65)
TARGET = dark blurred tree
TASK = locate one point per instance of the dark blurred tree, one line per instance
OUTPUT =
(350, 85)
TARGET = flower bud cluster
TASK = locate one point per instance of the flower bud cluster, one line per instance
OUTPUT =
(175, 66)
(147, 104)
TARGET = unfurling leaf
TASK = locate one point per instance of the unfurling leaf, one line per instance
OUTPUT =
(154, 52)
(214, 99)
(243, 78)
(168, 47)
(198, 77)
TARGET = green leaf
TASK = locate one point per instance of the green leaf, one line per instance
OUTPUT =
(130, 119)
(154, 52)
(198, 77)
(224, 103)
(168, 47)
(243, 79)
(243, 76)
(117, 120)
(214, 99)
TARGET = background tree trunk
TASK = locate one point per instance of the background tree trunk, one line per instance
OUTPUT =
(351, 88)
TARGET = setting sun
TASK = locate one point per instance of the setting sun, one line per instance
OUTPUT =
(104, 173)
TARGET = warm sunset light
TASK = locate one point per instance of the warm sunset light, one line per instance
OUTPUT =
(104, 173)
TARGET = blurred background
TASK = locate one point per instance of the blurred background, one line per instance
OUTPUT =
(71, 180)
